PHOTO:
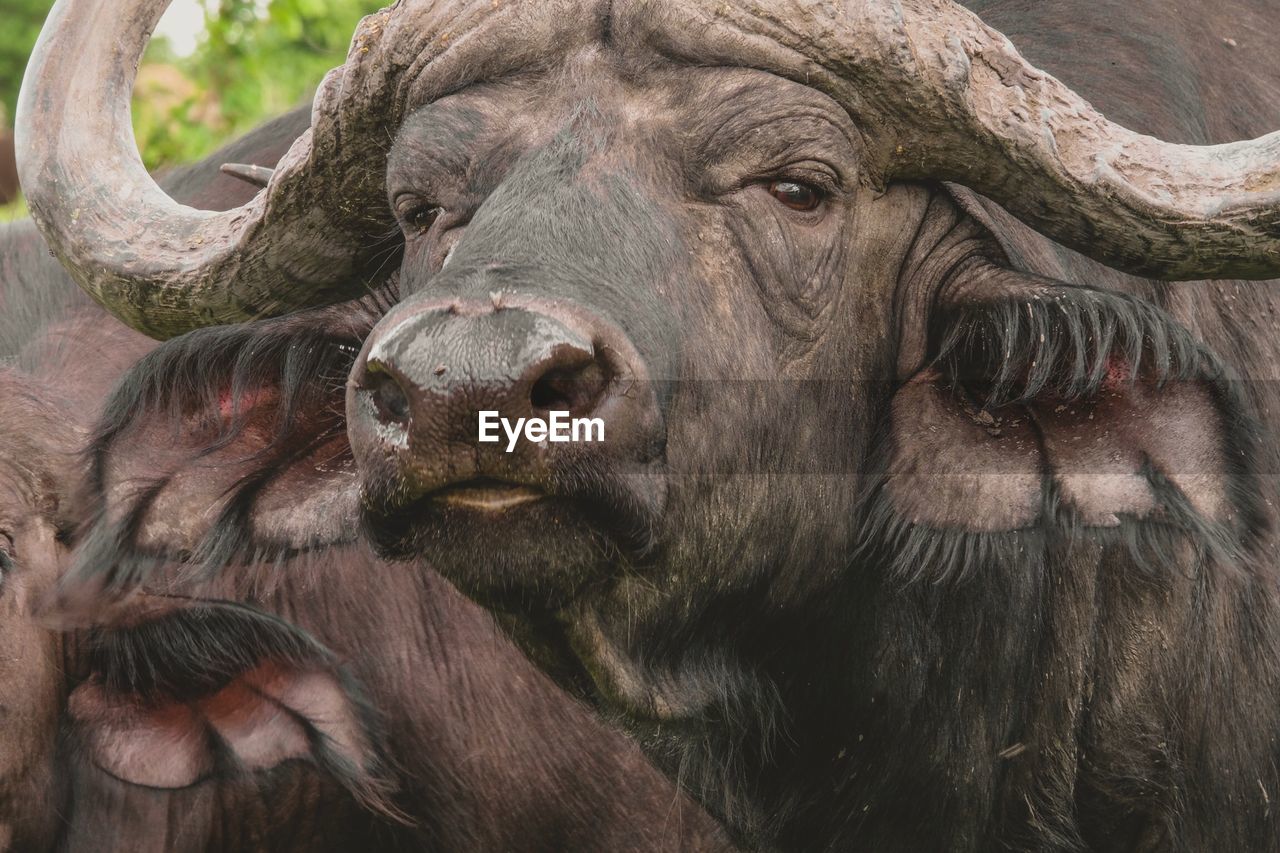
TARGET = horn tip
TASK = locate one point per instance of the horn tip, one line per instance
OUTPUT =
(258, 176)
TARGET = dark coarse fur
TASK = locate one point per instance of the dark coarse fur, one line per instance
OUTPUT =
(986, 683)
(1039, 337)
(1108, 690)
(1059, 685)
(67, 352)
(195, 651)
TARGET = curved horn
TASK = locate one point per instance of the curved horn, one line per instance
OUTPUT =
(161, 267)
(164, 268)
(941, 95)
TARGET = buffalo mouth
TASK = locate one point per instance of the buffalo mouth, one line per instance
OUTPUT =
(501, 540)
(485, 494)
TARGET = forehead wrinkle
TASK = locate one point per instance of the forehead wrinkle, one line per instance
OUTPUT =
(439, 127)
(38, 441)
(451, 46)
(630, 92)
(458, 132)
(22, 485)
(661, 119)
(762, 105)
(445, 132)
(594, 71)
(600, 144)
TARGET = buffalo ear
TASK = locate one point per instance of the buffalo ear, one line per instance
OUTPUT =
(1049, 409)
(189, 691)
(227, 444)
(1011, 337)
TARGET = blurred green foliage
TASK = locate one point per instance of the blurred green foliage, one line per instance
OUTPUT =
(20, 23)
(16, 209)
(257, 58)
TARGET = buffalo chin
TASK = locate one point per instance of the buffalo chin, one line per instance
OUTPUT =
(530, 552)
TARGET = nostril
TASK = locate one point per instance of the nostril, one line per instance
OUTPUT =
(388, 397)
(576, 390)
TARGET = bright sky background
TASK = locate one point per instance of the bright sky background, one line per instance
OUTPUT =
(181, 24)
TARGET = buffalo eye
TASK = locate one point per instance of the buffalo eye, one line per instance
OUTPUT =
(421, 218)
(796, 195)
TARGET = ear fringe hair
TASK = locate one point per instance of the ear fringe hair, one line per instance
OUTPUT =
(107, 563)
(1061, 340)
(1010, 338)
(914, 554)
(304, 358)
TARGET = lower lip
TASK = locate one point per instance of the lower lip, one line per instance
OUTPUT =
(489, 498)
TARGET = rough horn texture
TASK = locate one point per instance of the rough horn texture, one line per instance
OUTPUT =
(934, 91)
(160, 266)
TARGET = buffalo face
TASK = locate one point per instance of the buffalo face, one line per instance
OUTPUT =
(665, 250)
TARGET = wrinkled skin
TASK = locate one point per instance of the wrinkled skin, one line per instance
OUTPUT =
(925, 560)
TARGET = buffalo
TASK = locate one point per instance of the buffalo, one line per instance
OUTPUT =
(169, 726)
(317, 701)
(931, 513)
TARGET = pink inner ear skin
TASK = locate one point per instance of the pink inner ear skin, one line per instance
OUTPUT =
(261, 733)
(1119, 374)
(244, 403)
(162, 746)
(261, 717)
(320, 699)
(1097, 450)
(950, 469)
(956, 468)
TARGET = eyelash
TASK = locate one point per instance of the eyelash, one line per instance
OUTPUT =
(809, 197)
(415, 217)
(815, 176)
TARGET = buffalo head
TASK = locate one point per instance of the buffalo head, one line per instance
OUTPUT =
(728, 232)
